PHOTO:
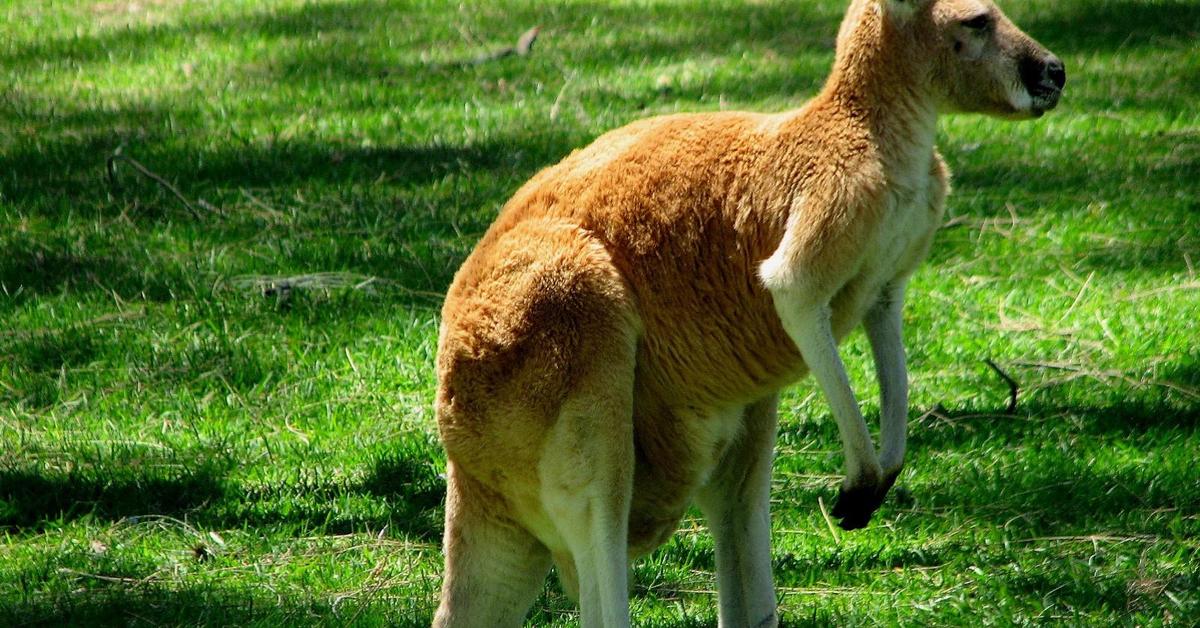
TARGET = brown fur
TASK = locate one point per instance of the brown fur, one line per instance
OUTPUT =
(629, 280)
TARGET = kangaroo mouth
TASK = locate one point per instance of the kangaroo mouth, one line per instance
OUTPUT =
(1045, 99)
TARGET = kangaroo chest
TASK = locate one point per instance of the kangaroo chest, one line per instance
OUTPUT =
(897, 246)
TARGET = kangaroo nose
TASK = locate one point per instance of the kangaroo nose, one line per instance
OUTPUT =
(1056, 71)
(1043, 76)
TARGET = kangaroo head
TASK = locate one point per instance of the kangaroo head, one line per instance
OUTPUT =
(967, 53)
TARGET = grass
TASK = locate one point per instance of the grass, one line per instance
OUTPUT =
(184, 441)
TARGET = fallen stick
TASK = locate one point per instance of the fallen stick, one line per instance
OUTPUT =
(111, 165)
(1013, 387)
(523, 47)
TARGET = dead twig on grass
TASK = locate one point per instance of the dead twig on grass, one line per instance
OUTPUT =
(103, 578)
(1108, 376)
(523, 47)
(956, 221)
(1095, 538)
(1013, 387)
(1187, 285)
(111, 167)
(282, 287)
(374, 584)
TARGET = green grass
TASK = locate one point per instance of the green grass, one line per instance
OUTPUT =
(180, 446)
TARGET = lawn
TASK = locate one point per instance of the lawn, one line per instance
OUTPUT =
(216, 387)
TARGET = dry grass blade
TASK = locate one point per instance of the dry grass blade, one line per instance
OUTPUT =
(316, 281)
(837, 538)
(111, 167)
(280, 285)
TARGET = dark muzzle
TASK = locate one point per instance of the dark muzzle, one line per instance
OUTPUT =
(1044, 78)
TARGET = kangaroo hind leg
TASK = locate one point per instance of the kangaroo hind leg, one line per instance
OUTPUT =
(736, 503)
(494, 567)
(587, 481)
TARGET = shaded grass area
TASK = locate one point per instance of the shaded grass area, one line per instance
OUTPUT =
(182, 440)
(397, 492)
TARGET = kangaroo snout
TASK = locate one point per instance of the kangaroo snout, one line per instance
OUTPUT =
(1044, 77)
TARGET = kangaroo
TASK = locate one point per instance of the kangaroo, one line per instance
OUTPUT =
(612, 349)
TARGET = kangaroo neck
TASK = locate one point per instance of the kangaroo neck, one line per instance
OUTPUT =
(879, 84)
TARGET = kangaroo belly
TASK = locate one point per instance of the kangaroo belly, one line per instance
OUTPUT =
(677, 449)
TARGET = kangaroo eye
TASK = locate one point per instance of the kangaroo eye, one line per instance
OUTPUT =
(979, 22)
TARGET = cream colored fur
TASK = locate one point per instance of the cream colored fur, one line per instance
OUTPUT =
(611, 351)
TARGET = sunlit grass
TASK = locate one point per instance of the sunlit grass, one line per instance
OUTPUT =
(182, 442)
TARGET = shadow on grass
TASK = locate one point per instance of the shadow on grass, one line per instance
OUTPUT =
(31, 500)
(1135, 420)
(1082, 26)
(1035, 474)
(413, 236)
(73, 144)
(345, 51)
(42, 353)
(1151, 195)
(414, 490)
(1051, 488)
(37, 364)
(403, 492)
(972, 427)
(126, 605)
(57, 263)
(1049, 469)
(69, 158)
(57, 159)
(313, 205)
(32, 364)
(73, 141)
(1158, 166)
